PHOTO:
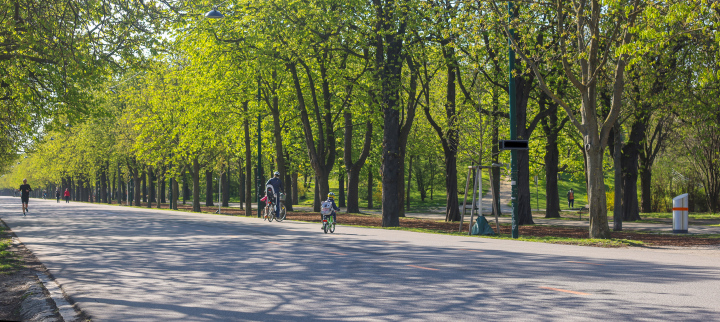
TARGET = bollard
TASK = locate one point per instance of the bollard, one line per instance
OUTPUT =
(680, 214)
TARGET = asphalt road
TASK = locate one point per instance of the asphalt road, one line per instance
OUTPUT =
(130, 264)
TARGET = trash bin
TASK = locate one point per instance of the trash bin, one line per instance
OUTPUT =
(680, 214)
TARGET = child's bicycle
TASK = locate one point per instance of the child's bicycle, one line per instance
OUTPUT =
(327, 219)
(328, 223)
(269, 211)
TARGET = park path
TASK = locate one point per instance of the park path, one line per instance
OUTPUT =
(139, 264)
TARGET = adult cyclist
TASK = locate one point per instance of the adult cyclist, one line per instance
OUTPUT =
(277, 188)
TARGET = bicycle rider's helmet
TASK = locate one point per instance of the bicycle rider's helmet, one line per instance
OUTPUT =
(277, 173)
(331, 195)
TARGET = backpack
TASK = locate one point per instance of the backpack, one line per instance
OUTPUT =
(326, 208)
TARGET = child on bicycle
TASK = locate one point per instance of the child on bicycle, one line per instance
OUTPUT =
(330, 202)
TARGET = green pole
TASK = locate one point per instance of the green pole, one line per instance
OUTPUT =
(259, 171)
(513, 124)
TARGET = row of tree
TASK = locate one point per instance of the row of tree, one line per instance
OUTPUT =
(397, 87)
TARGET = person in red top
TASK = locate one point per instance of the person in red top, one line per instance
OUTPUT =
(67, 195)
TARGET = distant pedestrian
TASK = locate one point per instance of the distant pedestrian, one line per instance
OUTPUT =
(67, 195)
(571, 198)
(57, 195)
(44, 194)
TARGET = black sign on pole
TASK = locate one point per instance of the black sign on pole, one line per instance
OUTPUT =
(514, 145)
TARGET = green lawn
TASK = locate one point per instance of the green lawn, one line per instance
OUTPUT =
(538, 198)
(566, 182)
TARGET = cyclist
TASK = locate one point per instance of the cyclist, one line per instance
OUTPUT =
(277, 188)
(25, 195)
(335, 208)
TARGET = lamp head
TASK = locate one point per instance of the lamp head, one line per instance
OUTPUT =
(214, 14)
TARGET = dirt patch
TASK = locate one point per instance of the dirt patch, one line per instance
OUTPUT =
(535, 230)
(16, 283)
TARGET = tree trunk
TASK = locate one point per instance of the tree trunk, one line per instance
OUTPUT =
(316, 198)
(449, 138)
(370, 189)
(175, 194)
(289, 193)
(420, 180)
(161, 183)
(407, 188)
(195, 172)
(523, 195)
(596, 193)
(113, 188)
(630, 154)
(617, 159)
(551, 128)
(322, 156)
(185, 186)
(152, 178)
(144, 186)
(138, 188)
(120, 185)
(645, 187)
(353, 168)
(295, 196)
(225, 190)
(103, 184)
(248, 165)
(160, 187)
(288, 184)
(277, 133)
(341, 189)
(209, 188)
(241, 183)
(524, 86)
(453, 208)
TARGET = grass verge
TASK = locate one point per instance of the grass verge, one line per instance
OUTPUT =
(8, 260)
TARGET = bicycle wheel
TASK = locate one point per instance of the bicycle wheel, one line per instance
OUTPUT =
(332, 227)
(325, 227)
(271, 213)
(282, 214)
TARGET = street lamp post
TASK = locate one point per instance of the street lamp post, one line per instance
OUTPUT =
(260, 206)
(215, 14)
(513, 123)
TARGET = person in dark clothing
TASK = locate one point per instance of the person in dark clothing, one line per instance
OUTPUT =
(25, 195)
(277, 186)
(57, 195)
(571, 199)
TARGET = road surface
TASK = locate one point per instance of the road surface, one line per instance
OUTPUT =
(131, 264)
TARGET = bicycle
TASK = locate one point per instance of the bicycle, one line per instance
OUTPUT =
(328, 223)
(270, 210)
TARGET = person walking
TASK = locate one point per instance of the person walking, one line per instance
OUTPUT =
(25, 195)
(57, 195)
(67, 195)
(571, 199)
